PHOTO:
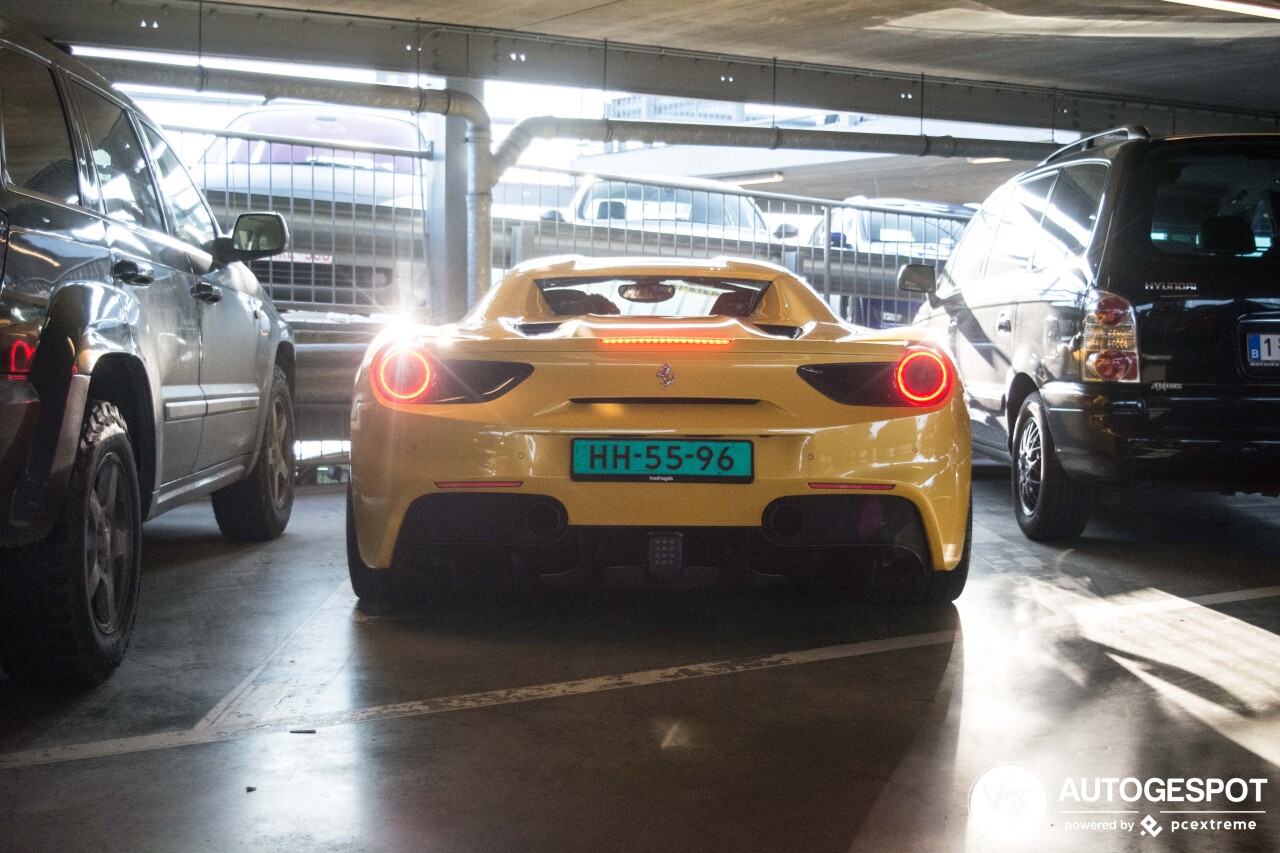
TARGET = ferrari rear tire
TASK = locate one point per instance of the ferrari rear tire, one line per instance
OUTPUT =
(928, 588)
(258, 507)
(68, 604)
(370, 585)
(1048, 504)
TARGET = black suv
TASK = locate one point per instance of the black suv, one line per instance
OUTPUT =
(142, 365)
(1115, 315)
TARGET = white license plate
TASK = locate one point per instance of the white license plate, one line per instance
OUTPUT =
(1264, 349)
(301, 258)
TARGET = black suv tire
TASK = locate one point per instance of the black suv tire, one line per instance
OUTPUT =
(1048, 504)
(67, 605)
(258, 507)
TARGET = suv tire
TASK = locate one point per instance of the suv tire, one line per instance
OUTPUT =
(1048, 504)
(68, 604)
(258, 507)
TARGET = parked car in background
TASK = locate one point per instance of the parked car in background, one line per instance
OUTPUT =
(1115, 315)
(711, 211)
(144, 366)
(899, 227)
(351, 184)
(874, 237)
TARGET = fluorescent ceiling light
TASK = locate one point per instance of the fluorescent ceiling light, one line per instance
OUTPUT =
(1233, 6)
(749, 180)
(982, 161)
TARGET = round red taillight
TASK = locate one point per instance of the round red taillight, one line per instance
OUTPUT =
(923, 377)
(402, 375)
(1111, 310)
(20, 355)
(1114, 365)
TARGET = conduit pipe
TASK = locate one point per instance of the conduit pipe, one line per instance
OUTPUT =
(611, 130)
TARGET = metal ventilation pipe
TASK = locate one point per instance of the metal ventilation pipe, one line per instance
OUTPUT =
(611, 130)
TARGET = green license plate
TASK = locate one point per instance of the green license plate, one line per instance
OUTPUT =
(653, 460)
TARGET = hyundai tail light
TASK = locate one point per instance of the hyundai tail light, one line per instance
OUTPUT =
(1109, 343)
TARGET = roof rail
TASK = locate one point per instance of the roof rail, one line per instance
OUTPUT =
(1128, 131)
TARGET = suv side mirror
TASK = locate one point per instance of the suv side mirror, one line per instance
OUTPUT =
(918, 278)
(255, 235)
(786, 231)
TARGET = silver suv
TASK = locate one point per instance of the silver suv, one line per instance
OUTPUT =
(143, 365)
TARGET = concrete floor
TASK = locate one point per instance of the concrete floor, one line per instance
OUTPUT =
(260, 709)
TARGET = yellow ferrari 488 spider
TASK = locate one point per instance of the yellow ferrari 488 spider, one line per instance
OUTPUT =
(659, 422)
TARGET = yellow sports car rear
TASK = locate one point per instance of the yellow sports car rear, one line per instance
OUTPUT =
(659, 422)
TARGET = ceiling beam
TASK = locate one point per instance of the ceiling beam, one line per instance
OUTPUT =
(251, 32)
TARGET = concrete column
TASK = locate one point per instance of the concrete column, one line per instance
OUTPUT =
(447, 209)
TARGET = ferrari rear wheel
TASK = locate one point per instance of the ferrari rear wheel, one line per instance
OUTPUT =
(371, 585)
(929, 588)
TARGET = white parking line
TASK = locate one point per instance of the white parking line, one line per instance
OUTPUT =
(211, 729)
(230, 703)
(533, 693)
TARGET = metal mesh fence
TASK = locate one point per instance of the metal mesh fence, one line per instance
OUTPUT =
(356, 214)
(849, 252)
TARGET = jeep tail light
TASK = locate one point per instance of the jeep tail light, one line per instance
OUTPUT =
(1109, 344)
(18, 363)
(18, 342)
(923, 377)
(410, 374)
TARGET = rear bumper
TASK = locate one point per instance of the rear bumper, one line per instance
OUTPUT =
(1106, 434)
(399, 457)
(798, 539)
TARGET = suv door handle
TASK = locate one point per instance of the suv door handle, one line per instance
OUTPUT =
(132, 272)
(206, 291)
(1004, 324)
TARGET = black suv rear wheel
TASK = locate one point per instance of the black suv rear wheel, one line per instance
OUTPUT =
(67, 605)
(1048, 504)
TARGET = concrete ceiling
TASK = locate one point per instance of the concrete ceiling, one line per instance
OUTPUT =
(1081, 65)
(1149, 50)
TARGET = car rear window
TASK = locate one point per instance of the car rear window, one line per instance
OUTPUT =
(652, 296)
(633, 202)
(884, 227)
(342, 129)
(1215, 202)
